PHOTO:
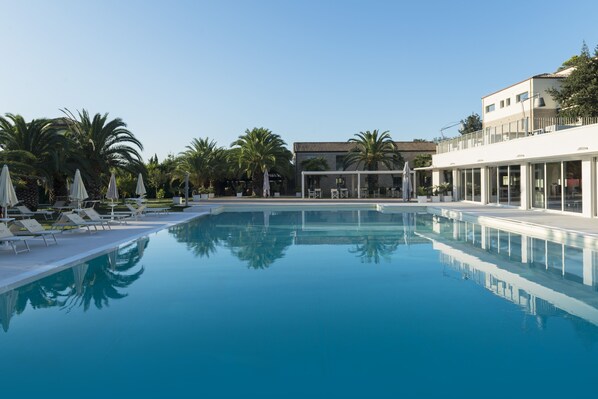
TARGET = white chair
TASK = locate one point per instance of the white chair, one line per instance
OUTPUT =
(334, 193)
(35, 229)
(74, 220)
(25, 211)
(94, 216)
(8, 237)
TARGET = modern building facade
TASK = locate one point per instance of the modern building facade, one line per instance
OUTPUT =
(335, 152)
(549, 165)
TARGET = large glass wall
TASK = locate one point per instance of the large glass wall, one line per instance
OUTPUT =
(558, 186)
(470, 188)
(538, 195)
(573, 202)
(553, 186)
(504, 185)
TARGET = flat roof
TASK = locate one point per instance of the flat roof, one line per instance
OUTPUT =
(345, 146)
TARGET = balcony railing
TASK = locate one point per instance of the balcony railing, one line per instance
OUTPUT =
(511, 131)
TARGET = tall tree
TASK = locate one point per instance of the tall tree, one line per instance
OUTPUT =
(471, 124)
(371, 150)
(204, 161)
(105, 145)
(578, 94)
(33, 147)
(261, 150)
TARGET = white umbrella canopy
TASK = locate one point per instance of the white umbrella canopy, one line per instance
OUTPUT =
(8, 197)
(266, 184)
(78, 191)
(140, 189)
(406, 182)
(112, 193)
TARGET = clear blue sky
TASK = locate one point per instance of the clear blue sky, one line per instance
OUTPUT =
(308, 70)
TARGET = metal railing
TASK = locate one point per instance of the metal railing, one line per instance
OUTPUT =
(511, 131)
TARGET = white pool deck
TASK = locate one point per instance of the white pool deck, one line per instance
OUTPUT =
(77, 246)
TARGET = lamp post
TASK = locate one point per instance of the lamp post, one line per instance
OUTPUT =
(538, 103)
(452, 124)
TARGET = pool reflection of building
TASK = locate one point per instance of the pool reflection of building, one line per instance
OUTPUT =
(542, 277)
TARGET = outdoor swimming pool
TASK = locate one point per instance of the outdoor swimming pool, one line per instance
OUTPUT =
(307, 304)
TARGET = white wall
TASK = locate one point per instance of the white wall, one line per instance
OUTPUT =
(514, 110)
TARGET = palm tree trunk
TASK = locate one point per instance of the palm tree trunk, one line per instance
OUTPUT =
(29, 194)
(257, 183)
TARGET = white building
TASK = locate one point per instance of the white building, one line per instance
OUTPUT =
(525, 156)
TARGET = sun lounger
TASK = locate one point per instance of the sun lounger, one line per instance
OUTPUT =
(160, 211)
(24, 211)
(74, 220)
(8, 237)
(94, 216)
(132, 212)
(33, 228)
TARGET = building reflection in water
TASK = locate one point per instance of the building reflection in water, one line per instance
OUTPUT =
(543, 277)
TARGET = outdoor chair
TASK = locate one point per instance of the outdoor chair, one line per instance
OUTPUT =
(132, 212)
(25, 211)
(157, 211)
(33, 228)
(74, 220)
(94, 216)
(6, 236)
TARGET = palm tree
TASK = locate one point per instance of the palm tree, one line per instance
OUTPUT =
(372, 149)
(106, 145)
(204, 161)
(35, 149)
(261, 150)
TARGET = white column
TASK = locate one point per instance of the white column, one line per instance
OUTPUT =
(526, 187)
(436, 176)
(303, 185)
(587, 182)
(484, 185)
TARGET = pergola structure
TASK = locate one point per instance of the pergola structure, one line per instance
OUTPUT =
(353, 173)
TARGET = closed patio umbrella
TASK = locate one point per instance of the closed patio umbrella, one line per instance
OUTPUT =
(140, 189)
(112, 193)
(78, 191)
(8, 197)
(406, 182)
(266, 184)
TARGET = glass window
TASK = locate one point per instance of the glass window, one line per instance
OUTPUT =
(554, 186)
(462, 186)
(477, 185)
(490, 108)
(573, 202)
(503, 185)
(492, 187)
(538, 195)
(508, 101)
(521, 97)
(515, 185)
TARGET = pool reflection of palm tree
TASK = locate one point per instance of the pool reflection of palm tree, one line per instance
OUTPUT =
(253, 237)
(96, 281)
(373, 249)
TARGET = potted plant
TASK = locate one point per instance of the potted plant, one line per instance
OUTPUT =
(196, 196)
(177, 199)
(211, 192)
(445, 191)
(422, 194)
(436, 194)
(203, 192)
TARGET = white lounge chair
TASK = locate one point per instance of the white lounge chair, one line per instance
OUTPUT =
(94, 216)
(74, 220)
(33, 228)
(132, 212)
(25, 211)
(7, 236)
(159, 211)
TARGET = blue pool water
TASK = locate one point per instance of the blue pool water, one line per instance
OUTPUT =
(312, 304)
